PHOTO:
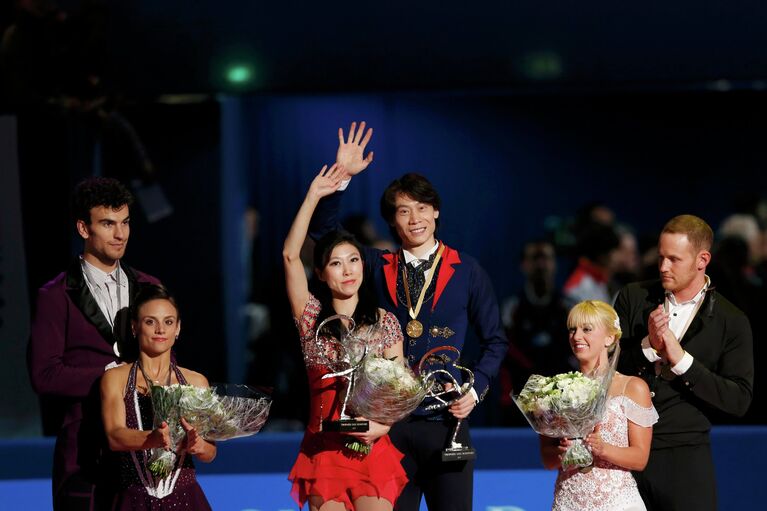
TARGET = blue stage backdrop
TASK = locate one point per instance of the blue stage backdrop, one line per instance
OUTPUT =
(505, 165)
(251, 474)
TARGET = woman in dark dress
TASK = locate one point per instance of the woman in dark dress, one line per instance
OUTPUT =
(128, 418)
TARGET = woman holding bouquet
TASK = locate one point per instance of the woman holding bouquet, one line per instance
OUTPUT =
(620, 443)
(327, 474)
(128, 416)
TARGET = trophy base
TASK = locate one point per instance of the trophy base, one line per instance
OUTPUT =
(459, 454)
(346, 426)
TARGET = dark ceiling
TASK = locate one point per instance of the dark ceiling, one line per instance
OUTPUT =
(175, 46)
(150, 47)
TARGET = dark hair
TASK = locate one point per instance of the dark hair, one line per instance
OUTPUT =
(366, 312)
(535, 242)
(129, 349)
(732, 254)
(414, 186)
(98, 191)
(147, 293)
(596, 241)
(357, 224)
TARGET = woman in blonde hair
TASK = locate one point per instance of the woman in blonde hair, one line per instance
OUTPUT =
(620, 443)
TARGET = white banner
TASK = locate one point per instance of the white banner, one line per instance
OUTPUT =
(19, 411)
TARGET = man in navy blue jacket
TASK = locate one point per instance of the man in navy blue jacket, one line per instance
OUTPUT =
(457, 294)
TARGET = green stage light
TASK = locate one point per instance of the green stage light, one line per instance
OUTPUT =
(239, 74)
(542, 65)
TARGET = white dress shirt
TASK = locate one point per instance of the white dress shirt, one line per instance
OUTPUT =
(679, 317)
(110, 290)
(410, 258)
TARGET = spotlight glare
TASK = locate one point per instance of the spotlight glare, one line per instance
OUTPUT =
(239, 74)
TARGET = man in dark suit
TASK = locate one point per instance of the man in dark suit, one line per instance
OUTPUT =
(80, 323)
(694, 349)
(436, 292)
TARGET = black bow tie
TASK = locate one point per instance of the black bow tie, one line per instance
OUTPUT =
(422, 265)
(416, 277)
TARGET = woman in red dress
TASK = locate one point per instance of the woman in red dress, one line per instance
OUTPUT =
(327, 474)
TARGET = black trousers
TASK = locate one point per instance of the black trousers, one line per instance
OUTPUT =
(679, 479)
(447, 486)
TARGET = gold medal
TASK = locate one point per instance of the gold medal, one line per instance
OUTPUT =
(414, 328)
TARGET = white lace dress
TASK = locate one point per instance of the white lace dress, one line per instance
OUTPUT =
(606, 487)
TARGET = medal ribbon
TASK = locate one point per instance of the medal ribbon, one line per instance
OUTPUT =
(414, 312)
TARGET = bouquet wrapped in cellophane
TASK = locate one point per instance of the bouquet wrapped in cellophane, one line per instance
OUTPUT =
(380, 389)
(385, 391)
(568, 405)
(219, 412)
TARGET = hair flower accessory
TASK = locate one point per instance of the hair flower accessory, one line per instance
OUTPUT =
(617, 323)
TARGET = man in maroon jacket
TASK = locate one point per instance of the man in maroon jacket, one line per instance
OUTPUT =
(78, 332)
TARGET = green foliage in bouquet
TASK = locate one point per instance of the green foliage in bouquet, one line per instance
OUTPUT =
(358, 447)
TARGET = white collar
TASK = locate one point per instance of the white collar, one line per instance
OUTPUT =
(409, 258)
(101, 276)
(699, 295)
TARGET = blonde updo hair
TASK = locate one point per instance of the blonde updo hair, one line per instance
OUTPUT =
(596, 312)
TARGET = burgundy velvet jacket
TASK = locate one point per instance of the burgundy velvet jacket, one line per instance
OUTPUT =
(70, 344)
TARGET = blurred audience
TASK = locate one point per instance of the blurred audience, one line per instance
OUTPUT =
(536, 325)
(737, 254)
(625, 259)
(648, 256)
(596, 244)
(746, 228)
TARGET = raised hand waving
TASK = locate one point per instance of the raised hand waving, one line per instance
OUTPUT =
(327, 181)
(351, 151)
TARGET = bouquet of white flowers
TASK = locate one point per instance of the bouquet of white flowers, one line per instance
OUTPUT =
(219, 412)
(379, 389)
(567, 405)
(385, 391)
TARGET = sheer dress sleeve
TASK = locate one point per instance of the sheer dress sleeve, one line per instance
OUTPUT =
(639, 415)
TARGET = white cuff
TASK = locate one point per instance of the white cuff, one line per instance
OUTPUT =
(683, 365)
(476, 398)
(344, 184)
(649, 352)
